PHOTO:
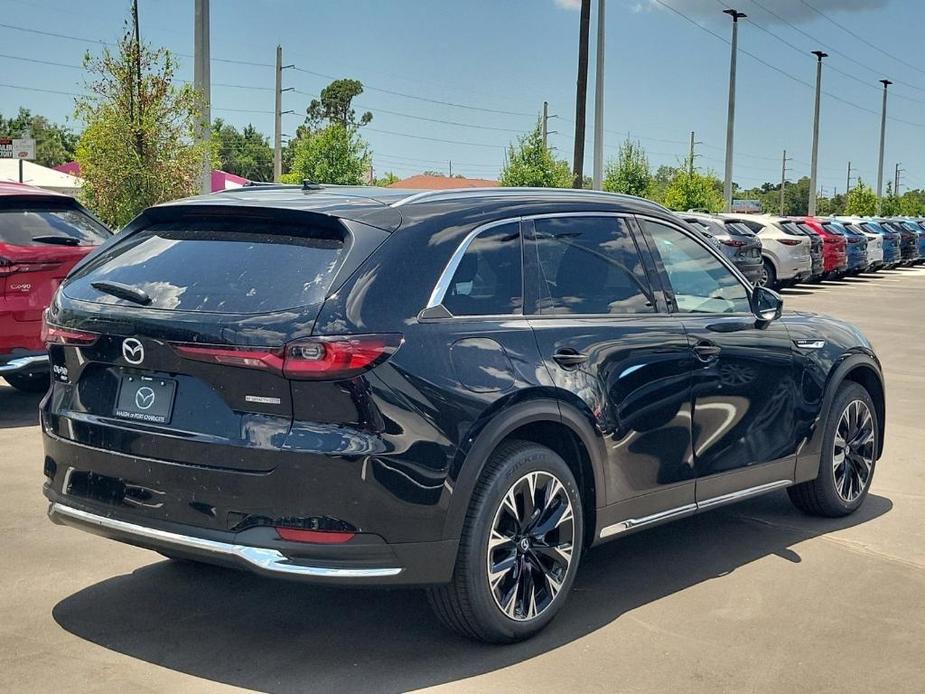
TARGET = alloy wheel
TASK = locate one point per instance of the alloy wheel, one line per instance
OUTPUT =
(853, 450)
(530, 546)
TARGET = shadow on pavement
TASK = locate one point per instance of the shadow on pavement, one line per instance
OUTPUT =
(277, 636)
(18, 409)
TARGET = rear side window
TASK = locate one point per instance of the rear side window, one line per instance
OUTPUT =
(219, 266)
(50, 226)
(793, 229)
(739, 229)
(589, 265)
(488, 280)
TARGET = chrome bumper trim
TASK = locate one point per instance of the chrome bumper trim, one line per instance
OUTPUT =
(23, 363)
(258, 557)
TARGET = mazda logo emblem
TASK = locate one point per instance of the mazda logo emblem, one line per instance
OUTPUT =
(144, 398)
(133, 351)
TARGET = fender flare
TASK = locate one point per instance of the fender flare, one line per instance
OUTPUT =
(500, 426)
(808, 458)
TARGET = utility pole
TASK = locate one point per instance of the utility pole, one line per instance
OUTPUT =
(731, 114)
(278, 111)
(451, 168)
(202, 80)
(848, 186)
(545, 124)
(896, 178)
(581, 96)
(783, 181)
(815, 158)
(885, 83)
(598, 177)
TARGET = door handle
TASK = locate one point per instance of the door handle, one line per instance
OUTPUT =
(568, 358)
(706, 351)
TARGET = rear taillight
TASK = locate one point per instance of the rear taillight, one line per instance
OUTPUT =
(791, 242)
(320, 537)
(316, 358)
(11, 267)
(735, 243)
(851, 239)
(56, 335)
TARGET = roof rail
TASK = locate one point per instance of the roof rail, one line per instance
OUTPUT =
(454, 193)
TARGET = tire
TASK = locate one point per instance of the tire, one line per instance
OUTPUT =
(828, 495)
(470, 604)
(29, 382)
(768, 276)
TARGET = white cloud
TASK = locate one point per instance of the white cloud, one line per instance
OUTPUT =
(569, 4)
(795, 11)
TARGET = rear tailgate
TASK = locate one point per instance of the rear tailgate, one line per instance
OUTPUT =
(168, 378)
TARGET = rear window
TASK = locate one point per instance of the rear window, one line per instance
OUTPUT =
(793, 229)
(218, 266)
(49, 226)
(738, 229)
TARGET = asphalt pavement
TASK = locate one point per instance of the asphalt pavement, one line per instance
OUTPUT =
(749, 598)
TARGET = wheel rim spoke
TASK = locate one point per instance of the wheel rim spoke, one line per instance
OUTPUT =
(530, 546)
(853, 450)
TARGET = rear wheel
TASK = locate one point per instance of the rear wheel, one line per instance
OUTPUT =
(29, 382)
(519, 549)
(768, 276)
(849, 456)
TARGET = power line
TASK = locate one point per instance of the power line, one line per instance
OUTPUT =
(434, 139)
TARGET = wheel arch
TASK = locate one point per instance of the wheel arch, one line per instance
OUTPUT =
(861, 368)
(547, 422)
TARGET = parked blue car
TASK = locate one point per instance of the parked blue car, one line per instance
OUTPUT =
(855, 249)
(920, 234)
(892, 250)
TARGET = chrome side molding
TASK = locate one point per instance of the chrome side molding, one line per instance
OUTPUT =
(257, 557)
(690, 509)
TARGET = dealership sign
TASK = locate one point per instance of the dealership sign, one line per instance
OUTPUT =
(17, 148)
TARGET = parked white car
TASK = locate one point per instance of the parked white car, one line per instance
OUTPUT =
(785, 253)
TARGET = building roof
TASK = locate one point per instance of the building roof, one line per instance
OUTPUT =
(426, 182)
(41, 176)
(11, 188)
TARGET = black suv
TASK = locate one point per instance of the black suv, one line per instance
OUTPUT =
(461, 390)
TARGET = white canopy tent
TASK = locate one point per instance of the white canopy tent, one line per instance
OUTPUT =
(40, 176)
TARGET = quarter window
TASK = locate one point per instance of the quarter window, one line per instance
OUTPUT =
(589, 265)
(699, 281)
(488, 280)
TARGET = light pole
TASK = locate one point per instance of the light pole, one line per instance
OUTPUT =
(598, 173)
(203, 84)
(815, 159)
(730, 118)
(885, 83)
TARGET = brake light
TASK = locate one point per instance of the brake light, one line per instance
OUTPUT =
(56, 335)
(10, 267)
(316, 358)
(791, 242)
(320, 537)
(735, 243)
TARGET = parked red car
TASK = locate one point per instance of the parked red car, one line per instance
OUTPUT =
(42, 236)
(834, 246)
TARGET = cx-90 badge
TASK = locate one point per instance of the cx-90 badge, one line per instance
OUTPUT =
(144, 398)
(133, 351)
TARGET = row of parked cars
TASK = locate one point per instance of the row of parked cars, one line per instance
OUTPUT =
(776, 252)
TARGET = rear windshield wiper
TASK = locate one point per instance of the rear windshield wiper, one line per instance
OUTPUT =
(123, 291)
(58, 240)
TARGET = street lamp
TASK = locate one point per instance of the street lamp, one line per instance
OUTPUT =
(815, 159)
(730, 118)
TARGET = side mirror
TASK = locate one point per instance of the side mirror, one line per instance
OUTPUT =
(767, 305)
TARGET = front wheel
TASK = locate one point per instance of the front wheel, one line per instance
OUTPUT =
(29, 382)
(519, 549)
(849, 456)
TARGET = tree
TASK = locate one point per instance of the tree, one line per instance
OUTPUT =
(54, 144)
(386, 180)
(335, 105)
(688, 189)
(246, 153)
(912, 203)
(630, 172)
(137, 148)
(862, 200)
(829, 206)
(531, 163)
(889, 206)
(335, 154)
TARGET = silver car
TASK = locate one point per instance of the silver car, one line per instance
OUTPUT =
(785, 254)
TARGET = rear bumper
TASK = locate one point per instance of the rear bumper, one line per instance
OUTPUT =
(155, 505)
(22, 364)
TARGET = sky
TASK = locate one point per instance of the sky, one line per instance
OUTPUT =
(457, 81)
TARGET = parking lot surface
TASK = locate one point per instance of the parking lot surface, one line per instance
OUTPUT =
(753, 597)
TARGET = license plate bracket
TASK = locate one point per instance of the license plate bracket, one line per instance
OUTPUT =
(145, 398)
